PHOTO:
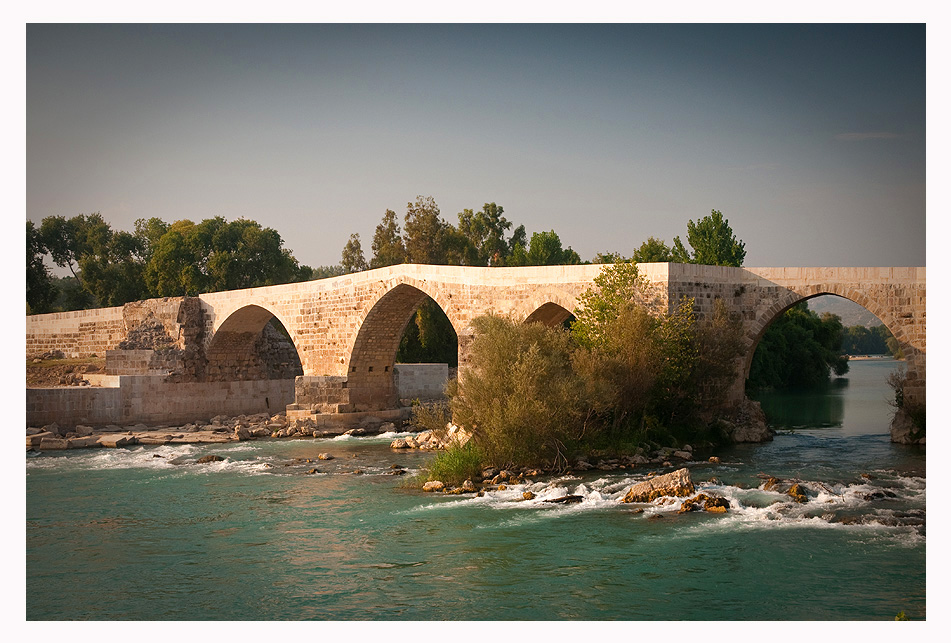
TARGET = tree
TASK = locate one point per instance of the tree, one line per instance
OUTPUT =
(306, 273)
(485, 231)
(544, 250)
(149, 232)
(519, 394)
(242, 254)
(798, 350)
(351, 259)
(111, 267)
(652, 250)
(424, 232)
(712, 241)
(41, 292)
(176, 267)
(388, 248)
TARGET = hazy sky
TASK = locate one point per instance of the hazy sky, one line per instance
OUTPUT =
(809, 138)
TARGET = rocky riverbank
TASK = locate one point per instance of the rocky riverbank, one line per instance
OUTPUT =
(219, 429)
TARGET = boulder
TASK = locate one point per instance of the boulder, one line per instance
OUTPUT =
(468, 486)
(528, 495)
(35, 439)
(114, 441)
(324, 456)
(209, 458)
(683, 455)
(83, 430)
(676, 483)
(714, 459)
(242, 433)
(54, 429)
(399, 443)
(433, 485)
(569, 499)
(713, 504)
(797, 493)
(746, 423)
(388, 427)
(903, 429)
(83, 442)
(355, 432)
(53, 444)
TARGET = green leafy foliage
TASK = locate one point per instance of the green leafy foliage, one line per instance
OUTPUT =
(878, 340)
(456, 464)
(388, 248)
(40, 288)
(533, 394)
(519, 394)
(653, 250)
(712, 241)
(544, 250)
(112, 267)
(429, 338)
(352, 259)
(798, 350)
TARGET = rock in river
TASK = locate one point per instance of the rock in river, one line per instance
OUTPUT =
(676, 483)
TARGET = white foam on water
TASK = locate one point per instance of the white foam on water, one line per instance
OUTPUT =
(389, 435)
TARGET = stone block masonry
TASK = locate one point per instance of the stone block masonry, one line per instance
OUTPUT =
(349, 327)
(424, 382)
(152, 400)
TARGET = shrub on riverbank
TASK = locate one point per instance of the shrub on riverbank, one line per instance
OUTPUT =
(534, 395)
(456, 464)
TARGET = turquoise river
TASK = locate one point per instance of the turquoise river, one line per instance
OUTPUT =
(145, 533)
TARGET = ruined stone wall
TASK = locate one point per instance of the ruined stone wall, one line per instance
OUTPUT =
(80, 333)
(154, 400)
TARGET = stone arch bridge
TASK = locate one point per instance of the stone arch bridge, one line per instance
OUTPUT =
(346, 330)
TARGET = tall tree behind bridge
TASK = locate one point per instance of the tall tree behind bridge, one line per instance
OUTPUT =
(40, 290)
(158, 259)
(712, 241)
(352, 259)
(388, 248)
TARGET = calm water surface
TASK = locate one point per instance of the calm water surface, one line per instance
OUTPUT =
(146, 534)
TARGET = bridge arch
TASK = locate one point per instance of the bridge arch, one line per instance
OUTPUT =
(550, 306)
(246, 346)
(372, 355)
(762, 322)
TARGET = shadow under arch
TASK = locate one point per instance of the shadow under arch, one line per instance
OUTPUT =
(549, 314)
(252, 344)
(373, 354)
(765, 320)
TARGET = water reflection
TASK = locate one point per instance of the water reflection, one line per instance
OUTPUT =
(857, 404)
(796, 409)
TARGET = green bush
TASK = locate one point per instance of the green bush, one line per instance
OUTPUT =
(433, 416)
(519, 394)
(534, 395)
(456, 464)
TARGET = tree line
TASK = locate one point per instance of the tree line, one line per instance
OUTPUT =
(159, 259)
